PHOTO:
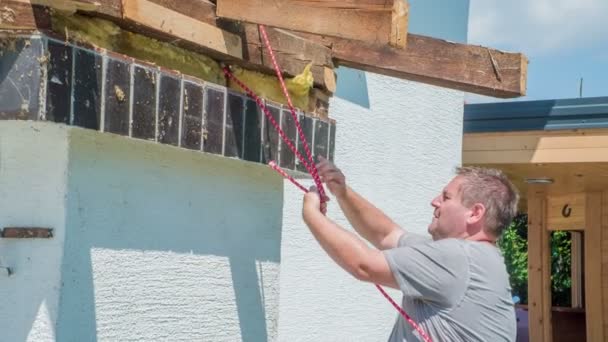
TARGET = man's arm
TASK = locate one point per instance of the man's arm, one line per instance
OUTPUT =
(369, 221)
(345, 248)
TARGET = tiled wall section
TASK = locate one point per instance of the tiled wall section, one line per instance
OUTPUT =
(45, 79)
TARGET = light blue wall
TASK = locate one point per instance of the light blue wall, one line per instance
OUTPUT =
(444, 19)
(165, 243)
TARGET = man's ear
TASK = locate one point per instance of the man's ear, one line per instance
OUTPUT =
(477, 211)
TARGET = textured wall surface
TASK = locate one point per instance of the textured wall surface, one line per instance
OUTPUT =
(166, 244)
(33, 160)
(398, 143)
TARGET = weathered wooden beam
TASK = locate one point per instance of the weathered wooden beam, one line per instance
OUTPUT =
(469, 68)
(381, 26)
(348, 4)
(160, 18)
(21, 15)
(292, 52)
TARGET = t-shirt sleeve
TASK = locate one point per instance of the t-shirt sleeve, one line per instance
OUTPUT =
(435, 271)
(410, 239)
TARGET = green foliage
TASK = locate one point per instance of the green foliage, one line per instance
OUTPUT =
(514, 246)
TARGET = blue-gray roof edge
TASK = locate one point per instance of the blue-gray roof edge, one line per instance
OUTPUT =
(559, 114)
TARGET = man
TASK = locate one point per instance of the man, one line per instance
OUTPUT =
(455, 285)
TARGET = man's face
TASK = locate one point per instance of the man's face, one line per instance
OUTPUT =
(449, 215)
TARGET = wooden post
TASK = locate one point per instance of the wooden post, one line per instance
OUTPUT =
(539, 287)
(593, 267)
(576, 269)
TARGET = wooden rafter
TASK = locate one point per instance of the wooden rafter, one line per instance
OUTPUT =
(469, 68)
(353, 20)
(160, 18)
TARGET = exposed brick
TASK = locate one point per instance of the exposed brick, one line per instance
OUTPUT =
(270, 137)
(214, 120)
(20, 69)
(59, 85)
(289, 128)
(234, 126)
(168, 110)
(144, 103)
(321, 139)
(117, 97)
(253, 126)
(87, 89)
(306, 122)
(193, 116)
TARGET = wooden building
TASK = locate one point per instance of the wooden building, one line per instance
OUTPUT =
(556, 152)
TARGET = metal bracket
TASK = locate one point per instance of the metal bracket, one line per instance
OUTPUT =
(26, 233)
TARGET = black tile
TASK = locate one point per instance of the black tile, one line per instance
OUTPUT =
(253, 127)
(87, 89)
(234, 127)
(332, 141)
(117, 97)
(214, 121)
(59, 75)
(270, 137)
(288, 126)
(168, 110)
(20, 70)
(321, 139)
(144, 104)
(306, 122)
(193, 116)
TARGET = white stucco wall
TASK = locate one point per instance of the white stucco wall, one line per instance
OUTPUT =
(398, 143)
(167, 244)
(33, 168)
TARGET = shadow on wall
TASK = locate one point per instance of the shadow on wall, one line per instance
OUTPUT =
(352, 86)
(166, 244)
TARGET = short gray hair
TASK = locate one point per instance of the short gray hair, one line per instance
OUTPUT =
(493, 189)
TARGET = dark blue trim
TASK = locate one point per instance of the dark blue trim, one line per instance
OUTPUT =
(579, 113)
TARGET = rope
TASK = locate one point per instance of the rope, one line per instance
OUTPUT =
(308, 163)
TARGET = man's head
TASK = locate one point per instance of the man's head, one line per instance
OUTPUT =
(477, 199)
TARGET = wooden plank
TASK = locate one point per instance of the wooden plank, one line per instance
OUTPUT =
(593, 267)
(576, 271)
(292, 52)
(21, 15)
(546, 140)
(160, 18)
(566, 212)
(376, 26)
(546, 280)
(536, 318)
(604, 238)
(565, 155)
(369, 5)
(469, 68)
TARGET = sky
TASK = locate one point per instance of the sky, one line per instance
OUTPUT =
(564, 40)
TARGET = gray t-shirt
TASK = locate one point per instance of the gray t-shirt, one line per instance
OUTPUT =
(456, 290)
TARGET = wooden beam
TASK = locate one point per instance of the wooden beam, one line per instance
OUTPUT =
(369, 5)
(535, 147)
(22, 15)
(160, 18)
(292, 52)
(593, 268)
(381, 26)
(538, 320)
(576, 271)
(469, 68)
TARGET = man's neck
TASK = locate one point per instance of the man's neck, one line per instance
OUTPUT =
(482, 237)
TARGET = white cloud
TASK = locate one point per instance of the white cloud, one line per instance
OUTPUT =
(539, 26)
